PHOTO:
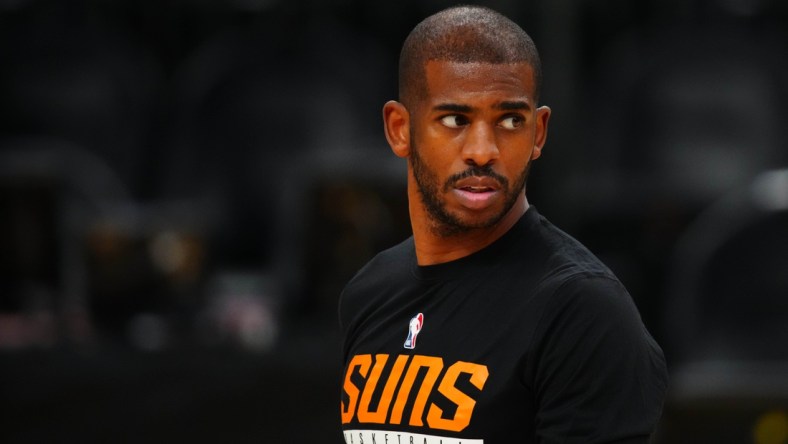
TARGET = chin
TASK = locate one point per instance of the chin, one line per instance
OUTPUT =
(482, 220)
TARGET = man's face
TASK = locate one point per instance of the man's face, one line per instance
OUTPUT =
(472, 140)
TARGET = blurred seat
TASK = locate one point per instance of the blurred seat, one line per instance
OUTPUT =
(727, 317)
(78, 250)
(72, 73)
(686, 111)
(729, 278)
(251, 100)
(336, 211)
(50, 189)
(679, 114)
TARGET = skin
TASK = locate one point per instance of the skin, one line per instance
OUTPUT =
(469, 144)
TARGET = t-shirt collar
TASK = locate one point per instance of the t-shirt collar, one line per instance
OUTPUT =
(485, 256)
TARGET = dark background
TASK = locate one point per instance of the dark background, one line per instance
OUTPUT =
(185, 186)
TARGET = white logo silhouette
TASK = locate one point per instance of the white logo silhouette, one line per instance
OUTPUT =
(414, 327)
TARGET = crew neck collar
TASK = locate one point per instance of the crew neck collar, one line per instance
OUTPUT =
(487, 255)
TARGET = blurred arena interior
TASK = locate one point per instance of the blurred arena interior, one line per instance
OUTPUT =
(185, 186)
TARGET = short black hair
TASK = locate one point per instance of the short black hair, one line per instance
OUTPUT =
(463, 34)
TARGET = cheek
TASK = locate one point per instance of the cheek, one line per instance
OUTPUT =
(438, 153)
(517, 152)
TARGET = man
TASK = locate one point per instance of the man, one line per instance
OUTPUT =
(489, 325)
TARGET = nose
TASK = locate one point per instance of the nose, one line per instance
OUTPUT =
(480, 147)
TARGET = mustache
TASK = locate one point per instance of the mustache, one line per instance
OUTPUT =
(476, 171)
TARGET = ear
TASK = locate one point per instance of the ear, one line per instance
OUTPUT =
(540, 133)
(396, 121)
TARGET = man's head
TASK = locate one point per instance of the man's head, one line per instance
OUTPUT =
(463, 34)
(468, 120)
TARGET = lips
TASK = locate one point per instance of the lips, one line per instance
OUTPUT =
(477, 189)
(477, 192)
(478, 184)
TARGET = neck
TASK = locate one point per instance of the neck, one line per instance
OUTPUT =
(433, 248)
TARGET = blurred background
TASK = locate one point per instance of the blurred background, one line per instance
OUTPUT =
(185, 187)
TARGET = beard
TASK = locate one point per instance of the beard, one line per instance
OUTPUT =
(445, 223)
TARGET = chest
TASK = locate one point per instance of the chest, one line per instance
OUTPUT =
(443, 359)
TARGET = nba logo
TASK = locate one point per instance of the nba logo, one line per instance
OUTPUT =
(414, 327)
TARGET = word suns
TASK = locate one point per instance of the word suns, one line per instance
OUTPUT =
(426, 377)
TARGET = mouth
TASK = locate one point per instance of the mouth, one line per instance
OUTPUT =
(477, 182)
(476, 197)
(477, 189)
(477, 192)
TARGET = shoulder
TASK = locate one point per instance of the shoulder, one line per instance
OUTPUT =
(581, 289)
(560, 263)
(594, 297)
(585, 303)
(566, 256)
(595, 369)
(385, 266)
(581, 292)
(591, 318)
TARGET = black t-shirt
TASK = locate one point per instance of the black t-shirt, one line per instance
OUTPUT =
(530, 340)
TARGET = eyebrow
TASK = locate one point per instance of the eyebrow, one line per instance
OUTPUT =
(509, 105)
(454, 107)
(513, 105)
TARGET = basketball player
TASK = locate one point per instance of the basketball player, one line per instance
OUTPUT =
(489, 325)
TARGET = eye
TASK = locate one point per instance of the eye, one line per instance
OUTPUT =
(511, 122)
(454, 121)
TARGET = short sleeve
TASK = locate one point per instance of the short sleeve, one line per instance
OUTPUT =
(597, 374)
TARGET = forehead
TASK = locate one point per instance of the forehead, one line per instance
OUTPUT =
(468, 81)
